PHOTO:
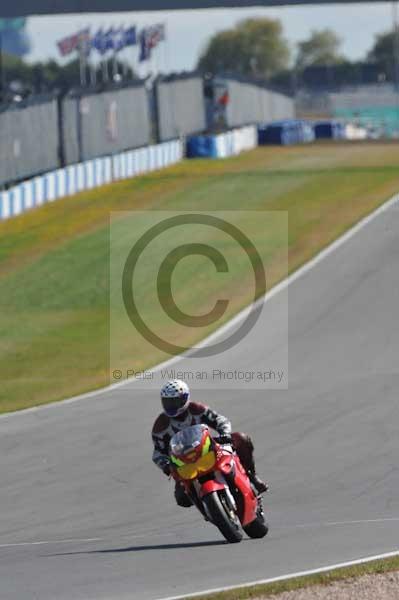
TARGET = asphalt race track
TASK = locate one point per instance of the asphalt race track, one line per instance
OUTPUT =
(85, 515)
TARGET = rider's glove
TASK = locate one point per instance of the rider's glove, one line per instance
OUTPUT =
(167, 470)
(225, 440)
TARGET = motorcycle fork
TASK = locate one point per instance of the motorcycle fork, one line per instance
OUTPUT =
(195, 489)
(228, 481)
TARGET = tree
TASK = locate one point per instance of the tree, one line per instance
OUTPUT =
(50, 76)
(255, 47)
(383, 52)
(321, 48)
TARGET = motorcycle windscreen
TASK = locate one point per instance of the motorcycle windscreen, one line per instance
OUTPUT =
(186, 440)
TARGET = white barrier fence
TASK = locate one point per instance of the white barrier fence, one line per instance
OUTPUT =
(86, 176)
(100, 171)
(236, 141)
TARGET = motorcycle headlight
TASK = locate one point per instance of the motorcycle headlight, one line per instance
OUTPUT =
(194, 470)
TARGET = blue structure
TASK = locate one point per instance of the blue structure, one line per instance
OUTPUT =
(284, 133)
(201, 146)
(329, 130)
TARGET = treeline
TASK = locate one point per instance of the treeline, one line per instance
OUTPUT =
(254, 48)
(257, 48)
(20, 77)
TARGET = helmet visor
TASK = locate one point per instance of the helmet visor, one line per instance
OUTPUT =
(172, 405)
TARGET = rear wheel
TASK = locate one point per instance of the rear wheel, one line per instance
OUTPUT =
(224, 517)
(258, 528)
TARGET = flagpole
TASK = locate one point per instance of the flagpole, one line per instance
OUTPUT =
(125, 63)
(141, 61)
(83, 57)
(122, 51)
(89, 58)
(135, 62)
(93, 74)
(149, 61)
(165, 57)
(82, 66)
(2, 83)
(115, 69)
(114, 66)
(105, 69)
(167, 49)
(171, 96)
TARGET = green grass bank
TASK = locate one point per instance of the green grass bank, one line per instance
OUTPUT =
(54, 261)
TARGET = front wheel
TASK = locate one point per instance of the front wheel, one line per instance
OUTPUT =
(258, 528)
(224, 517)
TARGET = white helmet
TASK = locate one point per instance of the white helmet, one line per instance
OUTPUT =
(175, 397)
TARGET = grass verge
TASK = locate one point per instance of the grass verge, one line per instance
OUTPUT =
(54, 261)
(267, 590)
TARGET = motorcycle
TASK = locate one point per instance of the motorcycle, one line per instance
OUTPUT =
(217, 484)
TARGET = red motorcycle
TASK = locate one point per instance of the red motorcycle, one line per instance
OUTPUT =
(217, 484)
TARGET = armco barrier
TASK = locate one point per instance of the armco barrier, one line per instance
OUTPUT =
(223, 145)
(88, 175)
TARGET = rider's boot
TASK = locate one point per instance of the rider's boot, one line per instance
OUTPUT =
(181, 497)
(260, 486)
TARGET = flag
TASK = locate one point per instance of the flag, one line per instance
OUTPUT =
(84, 42)
(98, 42)
(130, 36)
(150, 37)
(114, 39)
(74, 42)
(109, 39)
(119, 39)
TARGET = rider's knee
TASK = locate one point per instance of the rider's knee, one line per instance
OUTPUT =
(242, 440)
(181, 497)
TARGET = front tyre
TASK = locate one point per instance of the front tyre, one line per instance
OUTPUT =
(258, 528)
(223, 517)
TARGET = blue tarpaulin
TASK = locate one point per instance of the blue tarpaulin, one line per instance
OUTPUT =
(329, 130)
(202, 146)
(284, 133)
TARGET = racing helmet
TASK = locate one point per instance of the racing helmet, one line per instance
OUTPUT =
(175, 397)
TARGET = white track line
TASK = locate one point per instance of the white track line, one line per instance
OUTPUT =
(130, 536)
(239, 317)
(133, 535)
(350, 563)
(46, 542)
(356, 522)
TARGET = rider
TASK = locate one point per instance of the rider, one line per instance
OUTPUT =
(178, 413)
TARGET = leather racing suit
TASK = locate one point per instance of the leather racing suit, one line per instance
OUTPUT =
(165, 428)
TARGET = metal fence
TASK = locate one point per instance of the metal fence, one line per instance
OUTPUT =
(49, 133)
(180, 106)
(29, 139)
(250, 103)
(99, 124)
